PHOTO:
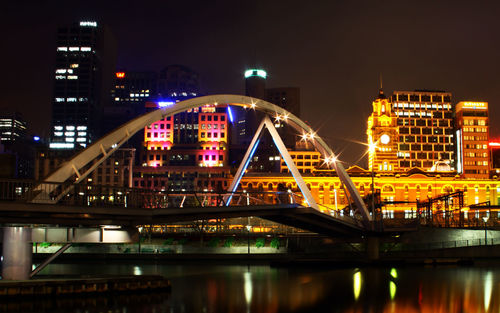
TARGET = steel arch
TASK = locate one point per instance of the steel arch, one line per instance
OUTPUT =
(105, 146)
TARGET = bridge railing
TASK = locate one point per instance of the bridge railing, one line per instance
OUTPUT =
(88, 195)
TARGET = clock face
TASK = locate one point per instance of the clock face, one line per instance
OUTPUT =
(384, 139)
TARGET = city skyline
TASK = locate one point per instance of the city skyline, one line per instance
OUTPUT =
(335, 55)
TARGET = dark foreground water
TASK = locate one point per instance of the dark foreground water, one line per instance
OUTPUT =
(240, 288)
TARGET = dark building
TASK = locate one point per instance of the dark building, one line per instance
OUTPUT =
(12, 127)
(178, 81)
(289, 99)
(85, 63)
(131, 90)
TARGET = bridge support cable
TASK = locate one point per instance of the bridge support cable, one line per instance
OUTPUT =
(244, 164)
(50, 259)
(290, 164)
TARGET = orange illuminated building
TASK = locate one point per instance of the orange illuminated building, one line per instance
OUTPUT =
(473, 159)
(382, 136)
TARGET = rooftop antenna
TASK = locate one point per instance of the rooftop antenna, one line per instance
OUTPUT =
(380, 81)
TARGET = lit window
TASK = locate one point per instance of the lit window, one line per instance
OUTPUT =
(62, 48)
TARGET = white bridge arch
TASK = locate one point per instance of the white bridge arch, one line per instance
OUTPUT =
(104, 147)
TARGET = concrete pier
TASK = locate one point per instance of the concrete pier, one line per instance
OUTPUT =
(17, 253)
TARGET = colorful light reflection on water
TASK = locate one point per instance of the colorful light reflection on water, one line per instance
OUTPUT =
(230, 288)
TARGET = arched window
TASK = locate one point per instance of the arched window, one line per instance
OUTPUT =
(387, 188)
(418, 188)
(429, 188)
(270, 187)
(321, 187)
(382, 109)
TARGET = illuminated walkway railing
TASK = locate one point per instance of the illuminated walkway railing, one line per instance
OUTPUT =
(102, 196)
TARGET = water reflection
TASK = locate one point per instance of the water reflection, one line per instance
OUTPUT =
(225, 288)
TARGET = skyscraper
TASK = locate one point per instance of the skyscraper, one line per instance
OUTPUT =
(85, 63)
(472, 137)
(12, 127)
(425, 127)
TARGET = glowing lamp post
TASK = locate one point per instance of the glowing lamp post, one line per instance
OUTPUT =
(249, 228)
(485, 219)
(371, 148)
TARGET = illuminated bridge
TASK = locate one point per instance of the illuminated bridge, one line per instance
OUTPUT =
(62, 199)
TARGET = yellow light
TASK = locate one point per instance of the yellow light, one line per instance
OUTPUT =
(357, 284)
(392, 289)
(394, 273)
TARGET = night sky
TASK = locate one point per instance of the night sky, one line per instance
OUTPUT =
(334, 51)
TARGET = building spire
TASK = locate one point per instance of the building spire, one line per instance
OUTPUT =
(381, 91)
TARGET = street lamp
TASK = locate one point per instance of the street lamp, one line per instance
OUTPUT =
(485, 219)
(249, 227)
(371, 148)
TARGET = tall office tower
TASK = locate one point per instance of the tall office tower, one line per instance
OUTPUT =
(425, 127)
(131, 90)
(382, 136)
(473, 157)
(247, 120)
(289, 99)
(85, 63)
(12, 127)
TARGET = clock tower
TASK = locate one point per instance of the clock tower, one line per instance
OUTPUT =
(382, 136)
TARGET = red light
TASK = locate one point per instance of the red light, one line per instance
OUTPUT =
(120, 74)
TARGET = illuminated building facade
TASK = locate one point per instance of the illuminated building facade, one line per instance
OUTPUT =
(473, 157)
(85, 62)
(425, 127)
(383, 136)
(410, 186)
(12, 127)
(495, 158)
(306, 161)
(186, 151)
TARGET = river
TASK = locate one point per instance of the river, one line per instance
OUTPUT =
(258, 288)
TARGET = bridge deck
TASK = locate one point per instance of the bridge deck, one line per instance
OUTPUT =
(288, 214)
